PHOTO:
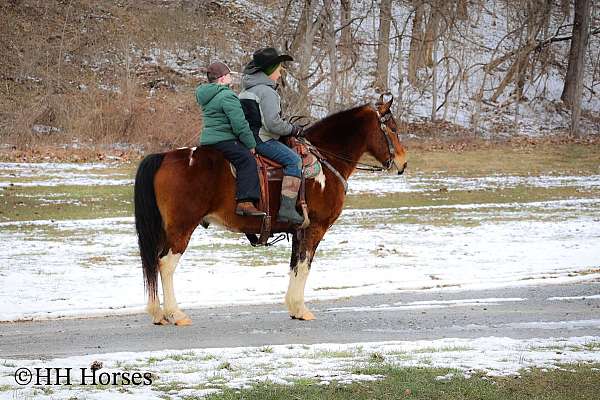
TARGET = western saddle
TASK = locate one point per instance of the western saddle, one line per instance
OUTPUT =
(270, 171)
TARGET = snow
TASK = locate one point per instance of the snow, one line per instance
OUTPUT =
(592, 297)
(197, 372)
(385, 183)
(91, 267)
(58, 174)
(418, 305)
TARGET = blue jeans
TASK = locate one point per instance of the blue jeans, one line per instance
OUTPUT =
(247, 186)
(279, 152)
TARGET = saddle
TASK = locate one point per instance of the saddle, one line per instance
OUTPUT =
(271, 172)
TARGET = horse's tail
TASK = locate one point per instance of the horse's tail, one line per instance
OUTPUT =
(148, 221)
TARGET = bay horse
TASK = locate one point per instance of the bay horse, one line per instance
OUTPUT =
(178, 190)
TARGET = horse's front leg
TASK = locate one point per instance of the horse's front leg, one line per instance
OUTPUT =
(303, 251)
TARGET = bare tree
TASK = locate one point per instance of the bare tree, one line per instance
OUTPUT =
(345, 46)
(383, 45)
(537, 16)
(572, 90)
(345, 27)
(329, 34)
(303, 49)
(416, 43)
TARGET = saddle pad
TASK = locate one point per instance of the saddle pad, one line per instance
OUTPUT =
(311, 167)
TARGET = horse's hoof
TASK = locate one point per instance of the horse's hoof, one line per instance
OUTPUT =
(305, 316)
(162, 322)
(187, 321)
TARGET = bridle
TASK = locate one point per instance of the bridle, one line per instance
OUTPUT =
(383, 119)
(386, 166)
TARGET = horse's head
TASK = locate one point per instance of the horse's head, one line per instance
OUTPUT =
(383, 142)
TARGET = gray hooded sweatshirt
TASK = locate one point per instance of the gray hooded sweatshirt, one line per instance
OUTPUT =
(261, 89)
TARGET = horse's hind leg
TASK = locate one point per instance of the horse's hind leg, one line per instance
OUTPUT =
(153, 308)
(167, 266)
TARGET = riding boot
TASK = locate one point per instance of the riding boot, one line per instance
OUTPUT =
(289, 194)
(246, 208)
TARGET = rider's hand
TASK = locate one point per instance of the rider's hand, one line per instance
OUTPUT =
(253, 151)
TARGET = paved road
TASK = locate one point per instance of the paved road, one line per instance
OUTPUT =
(358, 319)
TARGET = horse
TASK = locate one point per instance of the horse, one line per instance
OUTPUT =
(178, 190)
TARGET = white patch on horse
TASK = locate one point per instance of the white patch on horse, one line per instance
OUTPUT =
(321, 179)
(294, 299)
(169, 262)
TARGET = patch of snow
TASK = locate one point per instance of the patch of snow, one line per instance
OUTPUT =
(361, 183)
(91, 267)
(198, 372)
(415, 305)
(38, 128)
(97, 270)
(592, 297)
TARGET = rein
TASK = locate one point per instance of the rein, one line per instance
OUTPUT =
(365, 167)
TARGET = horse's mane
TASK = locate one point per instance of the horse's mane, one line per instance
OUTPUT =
(337, 119)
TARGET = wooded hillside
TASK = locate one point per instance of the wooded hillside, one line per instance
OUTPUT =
(124, 71)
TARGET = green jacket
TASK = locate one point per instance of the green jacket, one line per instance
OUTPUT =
(223, 118)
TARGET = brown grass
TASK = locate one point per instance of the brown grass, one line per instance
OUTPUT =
(60, 56)
(96, 116)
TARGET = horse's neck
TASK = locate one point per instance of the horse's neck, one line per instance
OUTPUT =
(348, 141)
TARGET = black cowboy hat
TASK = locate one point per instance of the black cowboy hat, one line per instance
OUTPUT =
(264, 58)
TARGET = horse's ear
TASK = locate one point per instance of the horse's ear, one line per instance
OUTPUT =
(384, 107)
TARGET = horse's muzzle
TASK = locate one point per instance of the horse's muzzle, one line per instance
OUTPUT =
(401, 170)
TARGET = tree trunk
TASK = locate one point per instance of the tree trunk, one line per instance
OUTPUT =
(345, 47)
(303, 54)
(346, 31)
(329, 34)
(383, 47)
(572, 90)
(431, 37)
(416, 44)
(434, 93)
(462, 10)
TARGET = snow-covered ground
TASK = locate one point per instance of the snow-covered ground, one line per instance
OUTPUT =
(200, 372)
(88, 267)
(91, 267)
(56, 174)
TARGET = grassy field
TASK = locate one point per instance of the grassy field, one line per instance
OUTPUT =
(95, 246)
(21, 202)
(570, 382)
(544, 158)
